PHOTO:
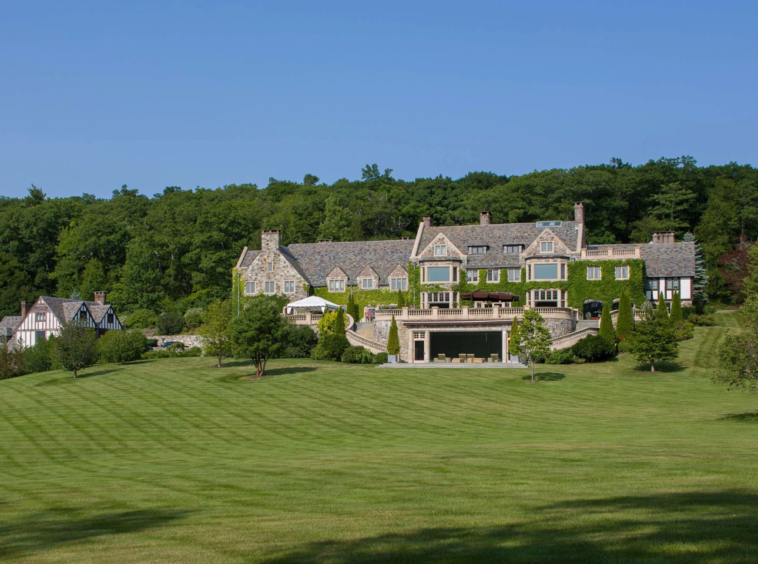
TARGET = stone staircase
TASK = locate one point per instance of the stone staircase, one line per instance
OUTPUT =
(358, 336)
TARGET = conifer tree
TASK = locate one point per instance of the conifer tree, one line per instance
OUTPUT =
(514, 340)
(350, 307)
(339, 323)
(357, 312)
(606, 326)
(662, 311)
(676, 310)
(701, 275)
(393, 342)
(400, 300)
(625, 321)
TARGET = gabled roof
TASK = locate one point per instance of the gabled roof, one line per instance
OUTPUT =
(662, 260)
(317, 260)
(65, 309)
(9, 324)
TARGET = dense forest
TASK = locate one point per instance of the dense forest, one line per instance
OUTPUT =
(175, 250)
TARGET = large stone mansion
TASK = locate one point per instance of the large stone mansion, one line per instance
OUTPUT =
(459, 278)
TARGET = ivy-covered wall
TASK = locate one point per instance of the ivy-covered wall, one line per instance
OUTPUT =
(578, 287)
(382, 296)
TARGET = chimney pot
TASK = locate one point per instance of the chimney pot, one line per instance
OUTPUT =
(23, 309)
(485, 218)
(427, 221)
(100, 297)
(579, 212)
(270, 240)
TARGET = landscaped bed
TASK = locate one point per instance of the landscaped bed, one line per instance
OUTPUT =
(172, 460)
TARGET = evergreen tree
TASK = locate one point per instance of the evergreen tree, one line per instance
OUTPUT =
(357, 312)
(339, 323)
(606, 326)
(654, 338)
(400, 299)
(350, 307)
(662, 311)
(676, 310)
(625, 321)
(513, 341)
(701, 275)
(393, 342)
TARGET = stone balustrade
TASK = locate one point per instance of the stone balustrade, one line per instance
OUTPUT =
(611, 253)
(471, 313)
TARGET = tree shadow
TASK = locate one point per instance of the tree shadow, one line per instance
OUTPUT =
(663, 366)
(269, 372)
(544, 377)
(683, 528)
(48, 529)
(749, 417)
(68, 377)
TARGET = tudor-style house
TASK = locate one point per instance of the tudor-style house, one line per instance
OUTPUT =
(556, 271)
(47, 315)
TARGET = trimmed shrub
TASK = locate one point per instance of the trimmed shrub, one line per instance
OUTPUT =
(330, 347)
(357, 355)
(687, 311)
(701, 320)
(606, 325)
(381, 358)
(684, 331)
(593, 348)
(563, 356)
(141, 319)
(625, 321)
(194, 351)
(393, 342)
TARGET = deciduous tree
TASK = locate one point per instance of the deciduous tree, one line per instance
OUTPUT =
(654, 339)
(260, 331)
(215, 330)
(533, 338)
(75, 346)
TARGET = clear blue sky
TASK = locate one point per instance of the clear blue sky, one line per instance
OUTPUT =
(94, 95)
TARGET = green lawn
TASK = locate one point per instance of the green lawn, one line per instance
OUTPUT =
(174, 461)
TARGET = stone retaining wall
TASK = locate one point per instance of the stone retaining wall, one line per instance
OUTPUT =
(189, 341)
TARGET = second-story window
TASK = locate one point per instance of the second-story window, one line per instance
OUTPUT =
(546, 247)
(514, 275)
(40, 317)
(336, 285)
(493, 275)
(399, 283)
(368, 283)
(512, 249)
(593, 273)
(250, 287)
(652, 284)
(109, 319)
(472, 276)
(270, 288)
(622, 272)
(270, 265)
(289, 286)
(477, 250)
(440, 250)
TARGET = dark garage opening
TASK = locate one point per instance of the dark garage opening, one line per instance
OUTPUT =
(482, 344)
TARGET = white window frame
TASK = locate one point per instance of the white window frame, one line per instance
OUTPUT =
(40, 317)
(440, 250)
(514, 275)
(493, 275)
(621, 270)
(249, 288)
(472, 276)
(272, 291)
(546, 247)
(592, 270)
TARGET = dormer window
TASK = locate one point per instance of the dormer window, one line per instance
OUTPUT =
(440, 250)
(512, 249)
(368, 283)
(546, 247)
(477, 250)
(336, 285)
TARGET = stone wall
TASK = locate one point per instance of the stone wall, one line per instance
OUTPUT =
(282, 271)
(560, 327)
(189, 341)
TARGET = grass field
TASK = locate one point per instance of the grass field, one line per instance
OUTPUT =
(175, 461)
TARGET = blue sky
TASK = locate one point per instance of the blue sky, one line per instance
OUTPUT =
(94, 95)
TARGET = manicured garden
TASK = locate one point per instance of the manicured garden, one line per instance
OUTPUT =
(173, 460)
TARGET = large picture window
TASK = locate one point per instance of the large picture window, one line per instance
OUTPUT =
(438, 274)
(546, 272)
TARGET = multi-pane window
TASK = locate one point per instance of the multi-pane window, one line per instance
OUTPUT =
(367, 283)
(622, 272)
(336, 285)
(593, 273)
(289, 286)
(438, 297)
(514, 275)
(82, 315)
(270, 287)
(399, 283)
(493, 275)
(477, 250)
(250, 287)
(546, 247)
(472, 276)
(512, 249)
(672, 283)
(40, 317)
(545, 295)
(440, 250)
(652, 284)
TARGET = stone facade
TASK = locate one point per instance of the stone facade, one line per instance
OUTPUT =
(188, 341)
(272, 273)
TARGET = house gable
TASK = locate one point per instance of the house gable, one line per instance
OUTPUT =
(547, 235)
(452, 252)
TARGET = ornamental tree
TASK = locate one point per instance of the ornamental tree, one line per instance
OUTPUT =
(625, 321)
(662, 311)
(400, 299)
(676, 310)
(215, 330)
(121, 347)
(75, 346)
(513, 341)
(654, 338)
(606, 326)
(260, 331)
(339, 322)
(393, 342)
(533, 338)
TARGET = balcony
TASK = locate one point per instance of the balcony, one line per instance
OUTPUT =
(473, 314)
(611, 253)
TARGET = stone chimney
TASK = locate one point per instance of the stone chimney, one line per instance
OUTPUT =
(23, 309)
(485, 218)
(663, 238)
(100, 298)
(270, 241)
(427, 221)
(579, 212)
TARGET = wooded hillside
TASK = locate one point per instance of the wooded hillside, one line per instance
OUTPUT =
(176, 248)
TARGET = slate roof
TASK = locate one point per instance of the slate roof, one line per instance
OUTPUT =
(496, 236)
(317, 260)
(9, 324)
(65, 308)
(662, 260)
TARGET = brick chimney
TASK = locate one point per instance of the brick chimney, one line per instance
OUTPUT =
(579, 212)
(100, 298)
(664, 238)
(270, 241)
(427, 221)
(485, 218)
(23, 309)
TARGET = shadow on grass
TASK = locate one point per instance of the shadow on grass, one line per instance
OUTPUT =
(68, 377)
(269, 372)
(48, 529)
(544, 377)
(664, 366)
(750, 417)
(679, 528)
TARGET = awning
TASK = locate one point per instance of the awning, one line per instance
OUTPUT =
(491, 296)
(311, 303)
